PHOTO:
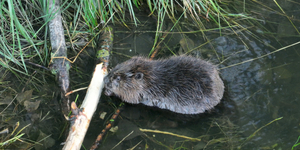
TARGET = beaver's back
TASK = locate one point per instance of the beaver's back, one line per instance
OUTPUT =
(181, 84)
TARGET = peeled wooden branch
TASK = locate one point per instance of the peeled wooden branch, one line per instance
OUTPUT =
(78, 129)
(59, 65)
(84, 115)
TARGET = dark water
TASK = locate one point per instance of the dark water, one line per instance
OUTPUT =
(265, 90)
(261, 108)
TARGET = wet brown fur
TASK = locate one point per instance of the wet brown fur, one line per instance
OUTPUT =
(182, 84)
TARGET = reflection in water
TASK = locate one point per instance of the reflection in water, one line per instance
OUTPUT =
(264, 90)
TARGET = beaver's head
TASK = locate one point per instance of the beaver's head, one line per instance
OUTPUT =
(127, 80)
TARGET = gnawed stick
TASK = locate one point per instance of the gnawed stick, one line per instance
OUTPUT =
(59, 66)
(84, 115)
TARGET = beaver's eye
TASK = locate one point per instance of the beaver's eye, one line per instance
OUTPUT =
(118, 78)
(139, 75)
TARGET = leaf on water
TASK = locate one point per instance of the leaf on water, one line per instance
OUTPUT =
(31, 106)
(186, 44)
(102, 115)
(45, 140)
(6, 100)
(114, 129)
(24, 96)
(127, 130)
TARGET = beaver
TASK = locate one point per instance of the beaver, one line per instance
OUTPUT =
(181, 84)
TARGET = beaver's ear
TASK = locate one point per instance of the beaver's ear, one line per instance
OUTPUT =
(139, 76)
